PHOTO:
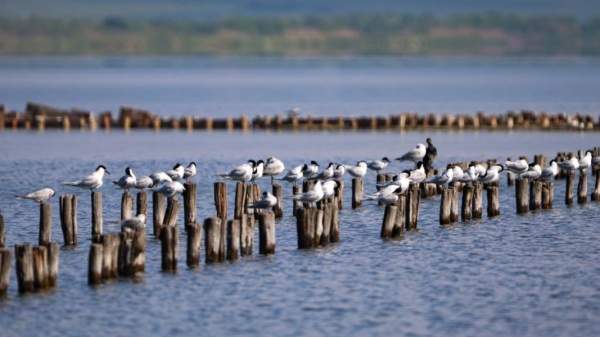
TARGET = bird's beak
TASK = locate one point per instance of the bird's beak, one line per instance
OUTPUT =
(397, 158)
(107, 173)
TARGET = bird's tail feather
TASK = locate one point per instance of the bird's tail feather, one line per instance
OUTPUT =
(71, 183)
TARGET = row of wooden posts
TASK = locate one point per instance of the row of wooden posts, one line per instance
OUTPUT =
(41, 116)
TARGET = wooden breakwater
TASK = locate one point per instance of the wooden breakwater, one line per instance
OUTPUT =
(40, 117)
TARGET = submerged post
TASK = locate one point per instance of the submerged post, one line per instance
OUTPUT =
(24, 268)
(169, 246)
(246, 234)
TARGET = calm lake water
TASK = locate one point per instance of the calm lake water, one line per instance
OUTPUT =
(357, 86)
(532, 275)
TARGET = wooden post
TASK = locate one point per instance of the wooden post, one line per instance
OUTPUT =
(278, 193)
(126, 205)
(5, 263)
(296, 204)
(357, 192)
(138, 252)
(569, 188)
(95, 264)
(24, 268)
(212, 235)
(53, 263)
(246, 234)
(334, 234)
(2, 235)
(68, 211)
(595, 194)
(477, 212)
(582, 187)
(125, 248)
(266, 230)
(194, 236)
(493, 198)
(456, 188)
(547, 194)
(339, 194)
(240, 200)
(45, 234)
(97, 221)
(535, 195)
(110, 258)
(327, 217)
(318, 221)
(445, 205)
(510, 177)
(305, 227)
(389, 220)
(412, 206)
(400, 222)
(40, 267)
(233, 239)
(169, 246)
(522, 195)
(220, 196)
(467, 202)
(142, 203)
(171, 213)
(189, 204)
(159, 204)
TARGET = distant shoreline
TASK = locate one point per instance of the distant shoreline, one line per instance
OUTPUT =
(488, 34)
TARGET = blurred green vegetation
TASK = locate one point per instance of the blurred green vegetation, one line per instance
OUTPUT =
(367, 34)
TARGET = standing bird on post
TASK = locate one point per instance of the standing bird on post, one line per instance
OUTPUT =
(311, 169)
(127, 181)
(92, 181)
(570, 165)
(378, 165)
(586, 161)
(415, 155)
(39, 196)
(443, 179)
(339, 171)
(273, 167)
(327, 173)
(170, 189)
(492, 174)
(267, 201)
(517, 167)
(294, 174)
(258, 170)
(313, 195)
(550, 172)
(159, 178)
(144, 182)
(189, 171)
(177, 172)
(357, 171)
(241, 173)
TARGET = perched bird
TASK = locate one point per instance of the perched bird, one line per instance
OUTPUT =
(442, 179)
(177, 172)
(357, 171)
(170, 189)
(550, 172)
(596, 160)
(481, 169)
(430, 155)
(258, 170)
(159, 178)
(138, 221)
(571, 164)
(471, 175)
(457, 173)
(400, 180)
(329, 188)
(295, 174)
(339, 171)
(533, 172)
(492, 174)
(378, 165)
(240, 173)
(311, 169)
(127, 181)
(39, 196)
(517, 167)
(417, 175)
(273, 167)
(586, 161)
(189, 171)
(327, 173)
(144, 182)
(92, 181)
(313, 195)
(415, 155)
(387, 196)
(267, 201)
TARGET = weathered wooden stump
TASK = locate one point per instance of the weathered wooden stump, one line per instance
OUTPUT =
(97, 219)
(296, 204)
(305, 227)
(2, 234)
(454, 207)
(138, 252)
(220, 197)
(212, 235)
(40, 268)
(339, 193)
(95, 264)
(169, 240)
(126, 205)
(194, 237)
(45, 234)
(358, 187)
(389, 221)
(190, 212)
(477, 209)
(24, 268)
(522, 195)
(110, 258)
(535, 195)
(547, 194)
(266, 231)
(278, 193)
(53, 263)
(493, 200)
(5, 263)
(159, 206)
(68, 219)
(582, 187)
(570, 184)
(595, 194)
(400, 222)
(446, 205)
(142, 203)
(246, 234)
(233, 239)
(334, 233)
(412, 206)
(240, 200)
(467, 202)
(171, 212)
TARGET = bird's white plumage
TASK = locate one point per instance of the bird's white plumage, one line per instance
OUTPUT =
(92, 181)
(313, 195)
(357, 171)
(39, 196)
(171, 188)
(273, 167)
(415, 155)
